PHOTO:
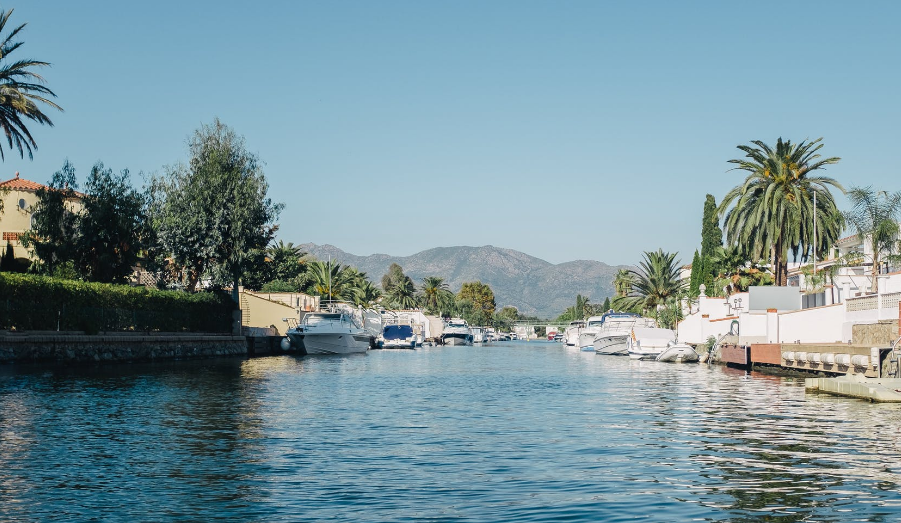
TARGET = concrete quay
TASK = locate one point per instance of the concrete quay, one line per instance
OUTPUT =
(878, 390)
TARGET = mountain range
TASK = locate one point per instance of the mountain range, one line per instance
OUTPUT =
(532, 285)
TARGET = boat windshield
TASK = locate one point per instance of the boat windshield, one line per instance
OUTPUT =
(312, 319)
(398, 332)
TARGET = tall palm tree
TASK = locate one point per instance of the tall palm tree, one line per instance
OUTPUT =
(432, 288)
(623, 282)
(874, 217)
(335, 282)
(21, 90)
(656, 281)
(368, 296)
(772, 210)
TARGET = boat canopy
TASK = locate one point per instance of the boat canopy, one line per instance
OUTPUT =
(397, 332)
(317, 317)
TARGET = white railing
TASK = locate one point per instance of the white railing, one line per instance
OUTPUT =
(891, 300)
(865, 303)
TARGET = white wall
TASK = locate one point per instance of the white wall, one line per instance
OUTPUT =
(816, 325)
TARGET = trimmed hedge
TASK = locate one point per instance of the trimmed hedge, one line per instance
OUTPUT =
(30, 302)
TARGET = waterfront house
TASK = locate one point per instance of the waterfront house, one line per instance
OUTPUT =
(19, 197)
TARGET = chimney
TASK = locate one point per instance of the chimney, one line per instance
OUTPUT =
(17, 175)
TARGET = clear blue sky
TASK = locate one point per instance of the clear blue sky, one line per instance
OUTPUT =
(568, 130)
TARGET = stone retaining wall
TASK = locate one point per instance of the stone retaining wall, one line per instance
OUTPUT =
(82, 348)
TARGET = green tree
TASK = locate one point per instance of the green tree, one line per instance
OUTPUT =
(874, 217)
(109, 240)
(772, 210)
(656, 281)
(21, 92)
(711, 239)
(623, 282)
(215, 212)
(335, 282)
(368, 295)
(606, 307)
(696, 273)
(53, 222)
(399, 288)
(433, 288)
(482, 299)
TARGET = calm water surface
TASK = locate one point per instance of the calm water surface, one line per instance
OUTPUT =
(514, 432)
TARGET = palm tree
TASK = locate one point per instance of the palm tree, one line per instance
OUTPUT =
(21, 89)
(581, 306)
(432, 288)
(334, 281)
(623, 282)
(772, 210)
(656, 281)
(874, 217)
(368, 296)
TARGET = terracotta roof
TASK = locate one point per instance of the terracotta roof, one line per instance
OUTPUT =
(21, 184)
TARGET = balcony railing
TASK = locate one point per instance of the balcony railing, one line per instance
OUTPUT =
(868, 303)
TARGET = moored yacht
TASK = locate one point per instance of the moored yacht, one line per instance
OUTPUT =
(571, 334)
(612, 338)
(456, 332)
(586, 334)
(397, 337)
(335, 332)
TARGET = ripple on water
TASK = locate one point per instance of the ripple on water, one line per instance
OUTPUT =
(518, 431)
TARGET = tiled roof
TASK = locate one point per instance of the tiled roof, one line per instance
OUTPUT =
(21, 184)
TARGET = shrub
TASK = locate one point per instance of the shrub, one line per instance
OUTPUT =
(31, 302)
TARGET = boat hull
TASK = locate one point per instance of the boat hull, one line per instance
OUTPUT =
(612, 345)
(456, 340)
(336, 343)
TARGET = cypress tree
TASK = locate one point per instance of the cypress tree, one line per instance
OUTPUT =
(606, 304)
(711, 238)
(696, 269)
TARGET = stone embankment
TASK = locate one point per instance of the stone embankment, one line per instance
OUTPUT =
(74, 348)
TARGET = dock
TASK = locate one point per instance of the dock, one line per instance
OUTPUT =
(878, 390)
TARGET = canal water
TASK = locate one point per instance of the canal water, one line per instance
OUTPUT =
(512, 432)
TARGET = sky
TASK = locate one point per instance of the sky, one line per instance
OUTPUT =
(566, 130)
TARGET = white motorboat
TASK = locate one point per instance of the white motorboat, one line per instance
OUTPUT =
(613, 337)
(456, 332)
(478, 335)
(646, 343)
(338, 332)
(679, 353)
(571, 334)
(397, 337)
(586, 334)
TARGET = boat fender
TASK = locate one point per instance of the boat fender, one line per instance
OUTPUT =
(788, 356)
(843, 359)
(285, 344)
(859, 360)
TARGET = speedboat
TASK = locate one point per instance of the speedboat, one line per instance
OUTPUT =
(586, 334)
(679, 353)
(571, 334)
(397, 337)
(337, 332)
(646, 343)
(613, 337)
(456, 332)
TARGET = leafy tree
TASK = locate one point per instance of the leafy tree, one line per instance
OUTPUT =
(736, 274)
(772, 210)
(110, 226)
(482, 298)
(582, 305)
(368, 295)
(7, 261)
(399, 288)
(21, 92)
(53, 222)
(283, 262)
(606, 306)
(874, 217)
(215, 211)
(656, 281)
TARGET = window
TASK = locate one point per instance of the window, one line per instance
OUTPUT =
(22, 204)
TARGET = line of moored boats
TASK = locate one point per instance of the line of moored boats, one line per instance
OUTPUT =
(345, 329)
(626, 334)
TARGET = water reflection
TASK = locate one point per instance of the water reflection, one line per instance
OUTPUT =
(526, 432)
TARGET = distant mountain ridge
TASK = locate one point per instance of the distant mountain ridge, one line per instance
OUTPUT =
(532, 285)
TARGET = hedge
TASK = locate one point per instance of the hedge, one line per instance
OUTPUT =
(30, 302)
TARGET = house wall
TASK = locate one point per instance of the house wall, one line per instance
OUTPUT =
(260, 312)
(816, 325)
(14, 220)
